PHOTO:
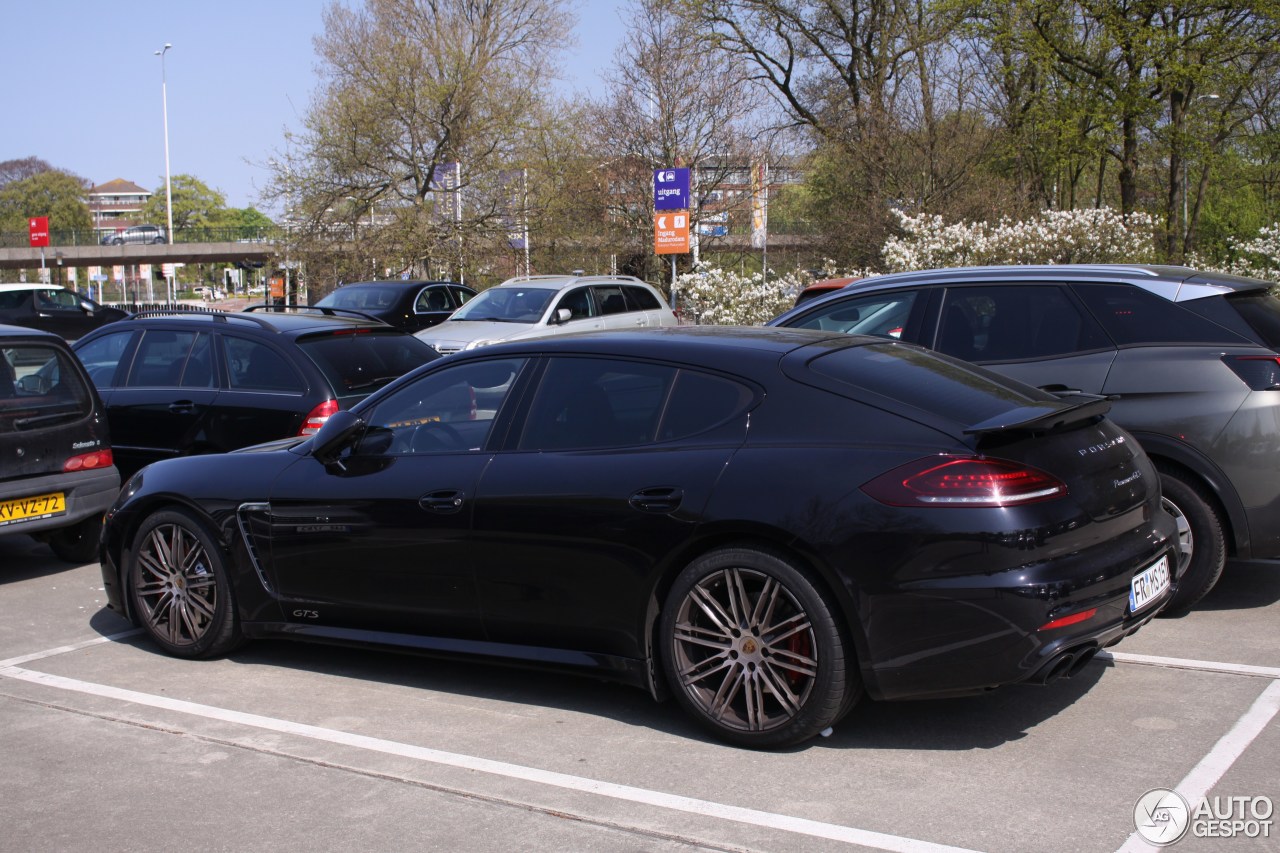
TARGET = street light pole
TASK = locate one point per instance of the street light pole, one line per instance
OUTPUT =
(164, 99)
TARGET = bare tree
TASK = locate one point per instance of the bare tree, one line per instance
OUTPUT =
(420, 101)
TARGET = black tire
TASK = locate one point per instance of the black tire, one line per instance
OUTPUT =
(730, 668)
(179, 587)
(1201, 542)
(79, 542)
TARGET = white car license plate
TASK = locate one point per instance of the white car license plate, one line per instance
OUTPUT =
(1149, 584)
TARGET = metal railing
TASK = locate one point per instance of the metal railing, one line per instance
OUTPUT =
(59, 238)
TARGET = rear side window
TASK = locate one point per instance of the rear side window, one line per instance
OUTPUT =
(39, 387)
(1014, 323)
(960, 392)
(585, 403)
(611, 300)
(357, 364)
(1132, 315)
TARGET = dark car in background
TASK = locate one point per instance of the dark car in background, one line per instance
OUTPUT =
(764, 523)
(177, 383)
(57, 475)
(53, 309)
(407, 305)
(1191, 360)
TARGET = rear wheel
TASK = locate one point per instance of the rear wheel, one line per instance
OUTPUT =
(753, 651)
(180, 589)
(1202, 550)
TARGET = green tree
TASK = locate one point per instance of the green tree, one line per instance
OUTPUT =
(195, 204)
(59, 195)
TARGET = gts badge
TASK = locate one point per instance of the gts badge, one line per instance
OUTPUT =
(306, 614)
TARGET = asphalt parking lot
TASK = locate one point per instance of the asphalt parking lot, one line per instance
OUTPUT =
(108, 745)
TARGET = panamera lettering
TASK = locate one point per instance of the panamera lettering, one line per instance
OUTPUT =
(1132, 478)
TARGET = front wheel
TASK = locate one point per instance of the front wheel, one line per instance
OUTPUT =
(1202, 550)
(180, 587)
(753, 650)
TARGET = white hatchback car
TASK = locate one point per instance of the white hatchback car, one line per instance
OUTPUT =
(539, 305)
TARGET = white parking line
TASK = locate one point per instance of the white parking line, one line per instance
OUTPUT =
(1196, 784)
(1199, 665)
(705, 808)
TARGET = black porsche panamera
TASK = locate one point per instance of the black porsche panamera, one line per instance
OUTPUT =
(767, 524)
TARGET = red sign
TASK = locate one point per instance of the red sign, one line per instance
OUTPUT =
(671, 232)
(38, 229)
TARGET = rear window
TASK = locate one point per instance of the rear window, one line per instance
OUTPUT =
(40, 387)
(357, 364)
(1261, 310)
(361, 298)
(956, 390)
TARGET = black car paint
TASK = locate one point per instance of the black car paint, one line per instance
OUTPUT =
(401, 312)
(66, 321)
(551, 562)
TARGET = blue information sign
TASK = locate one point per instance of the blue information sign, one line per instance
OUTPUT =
(671, 189)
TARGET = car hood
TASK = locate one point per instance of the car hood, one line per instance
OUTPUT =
(462, 332)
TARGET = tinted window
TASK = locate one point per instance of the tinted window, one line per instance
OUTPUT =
(433, 299)
(446, 411)
(958, 391)
(1014, 322)
(578, 302)
(640, 299)
(102, 355)
(611, 300)
(700, 401)
(160, 359)
(39, 387)
(587, 402)
(1131, 315)
(1261, 310)
(198, 372)
(461, 295)
(362, 298)
(12, 299)
(883, 314)
(253, 366)
(357, 364)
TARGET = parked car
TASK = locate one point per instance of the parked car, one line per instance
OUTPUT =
(407, 305)
(825, 287)
(137, 234)
(1190, 359)
(53, 309)
(541, 305)
(767, 524)
(57, 476)
(177, 383)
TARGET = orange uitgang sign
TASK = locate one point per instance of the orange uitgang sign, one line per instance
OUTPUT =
(671, 232)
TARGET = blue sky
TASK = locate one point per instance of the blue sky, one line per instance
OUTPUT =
(83, 85)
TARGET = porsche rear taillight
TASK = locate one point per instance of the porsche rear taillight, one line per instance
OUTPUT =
(951, 481)
(317, 416)
(89, 461)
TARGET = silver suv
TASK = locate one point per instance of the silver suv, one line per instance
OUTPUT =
(1190, 358)
(137, 234)
(549, 305)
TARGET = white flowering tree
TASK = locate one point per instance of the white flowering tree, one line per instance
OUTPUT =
(1056, 237)
(1256, 258)
(713, 296)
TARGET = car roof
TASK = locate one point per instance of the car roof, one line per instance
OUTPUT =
(399, 283)
(560, 282)
(7, 331)
(1175, 283)
(294, 324)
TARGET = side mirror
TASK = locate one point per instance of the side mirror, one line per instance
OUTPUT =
(563, 315)
(337, 434)
(34, 384)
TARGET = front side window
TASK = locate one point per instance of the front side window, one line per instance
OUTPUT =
(447, 411)
(161, 357)
(432, 299)
(882, 314)
(101, 356)
(578, 303)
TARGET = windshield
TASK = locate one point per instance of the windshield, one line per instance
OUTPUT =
(360, 298)
(507, 305)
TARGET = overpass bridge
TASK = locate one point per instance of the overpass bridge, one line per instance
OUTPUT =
(201, 246)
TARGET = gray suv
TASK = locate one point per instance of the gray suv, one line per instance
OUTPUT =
(1190, 359)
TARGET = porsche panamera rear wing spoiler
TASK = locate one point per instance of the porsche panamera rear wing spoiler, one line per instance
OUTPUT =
(1071, 410)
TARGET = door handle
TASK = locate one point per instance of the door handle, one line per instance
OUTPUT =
(443, 502)
(182, 407)
(658, 499)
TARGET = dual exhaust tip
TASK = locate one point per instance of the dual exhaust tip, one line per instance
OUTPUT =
(1064, 665)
